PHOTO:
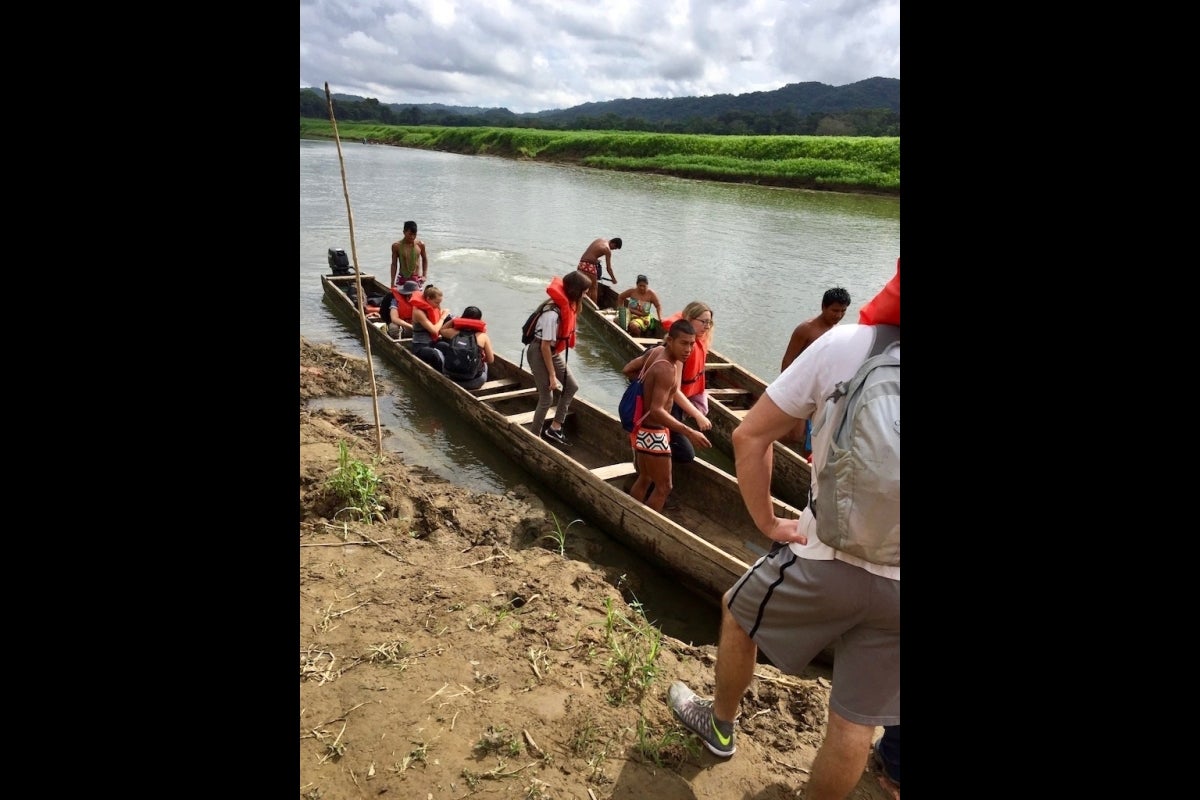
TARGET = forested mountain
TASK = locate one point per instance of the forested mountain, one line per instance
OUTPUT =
(866, 108)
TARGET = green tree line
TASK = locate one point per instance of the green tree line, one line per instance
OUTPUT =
(884, 122)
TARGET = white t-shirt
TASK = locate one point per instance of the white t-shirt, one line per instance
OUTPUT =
(800, 392)
(547, 327)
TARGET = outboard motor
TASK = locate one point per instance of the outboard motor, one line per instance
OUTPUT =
(339, 264)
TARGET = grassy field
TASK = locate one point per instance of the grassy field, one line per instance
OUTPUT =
(827, 163)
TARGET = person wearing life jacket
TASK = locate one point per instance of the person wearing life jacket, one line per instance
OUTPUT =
(471, 322)
(547, 354)
(399, 309)
(884, 308)
(427, 322)
(690, 399)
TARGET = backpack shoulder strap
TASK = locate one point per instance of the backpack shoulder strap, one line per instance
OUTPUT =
(882, 337)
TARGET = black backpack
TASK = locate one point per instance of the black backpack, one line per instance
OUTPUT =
(527, 330)
(463, 359)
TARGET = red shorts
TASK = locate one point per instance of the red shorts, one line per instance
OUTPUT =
(591, 268)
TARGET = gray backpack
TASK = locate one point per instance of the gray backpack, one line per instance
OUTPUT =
(857, 493)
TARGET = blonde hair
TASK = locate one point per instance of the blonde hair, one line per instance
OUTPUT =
(693, 310)
(432, 293)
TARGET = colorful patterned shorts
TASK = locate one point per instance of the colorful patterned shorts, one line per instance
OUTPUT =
(591, 268)
(655, 441)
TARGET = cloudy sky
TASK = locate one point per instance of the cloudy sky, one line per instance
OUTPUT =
(533, 55)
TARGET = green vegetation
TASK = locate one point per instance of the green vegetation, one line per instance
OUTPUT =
(559, 534)
(355, 484)
(830, 163)
(866, 108)
(634, 647)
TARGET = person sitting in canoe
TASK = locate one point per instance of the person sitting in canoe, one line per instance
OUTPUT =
(466, 348)
(398, 309)
(640, 309)
(427, 323)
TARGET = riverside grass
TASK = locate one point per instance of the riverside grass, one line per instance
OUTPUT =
(830, 163)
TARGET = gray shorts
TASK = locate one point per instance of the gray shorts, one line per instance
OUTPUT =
(794, 607)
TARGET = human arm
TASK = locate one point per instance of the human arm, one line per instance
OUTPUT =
(448, 330)
(395, 258)
(394, 316)
(689, 408)
(424, 259)
(548, 360)
(608, 263)
(801, 338)
(419, 318)
(485, 341)
(753, 451)
(657, 305)
(631, 369)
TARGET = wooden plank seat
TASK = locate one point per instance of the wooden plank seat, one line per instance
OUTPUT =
(611, 471)
(710, 366)
(727, 394)
(500, 383)
(491, 398)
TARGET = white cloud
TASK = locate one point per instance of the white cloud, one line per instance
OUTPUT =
(543, 54)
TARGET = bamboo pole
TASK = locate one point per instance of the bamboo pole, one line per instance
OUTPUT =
(362, 311)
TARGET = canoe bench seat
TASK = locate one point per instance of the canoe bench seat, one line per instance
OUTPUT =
(611, 471)
(727, 394)
(491, 398)
(499, 383)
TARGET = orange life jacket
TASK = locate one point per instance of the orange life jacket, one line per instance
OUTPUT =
(566, 315)
(884, 308)
(691, 382)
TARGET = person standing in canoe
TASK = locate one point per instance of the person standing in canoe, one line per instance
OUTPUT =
(589, 263)
(547, 354)
(641, 307)
(691, 400)
(833, 307)
(410, 262)
(653, 424)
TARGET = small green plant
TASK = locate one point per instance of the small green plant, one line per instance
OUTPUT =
(634, 647)
(672, 748)
(496, 740)
(355, 484)
(559, 534)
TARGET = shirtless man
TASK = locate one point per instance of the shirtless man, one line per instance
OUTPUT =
(405, 255)
(651, 436)
(589, 263)
(833, 308)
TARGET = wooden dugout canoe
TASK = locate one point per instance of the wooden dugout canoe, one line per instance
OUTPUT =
(707, 543)
(732, 390)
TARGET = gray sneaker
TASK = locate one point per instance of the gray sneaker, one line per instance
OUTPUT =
(696, 715)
